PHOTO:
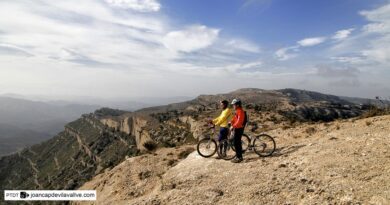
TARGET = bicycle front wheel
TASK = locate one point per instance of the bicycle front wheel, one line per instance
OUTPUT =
(264, 145)
(207, 147)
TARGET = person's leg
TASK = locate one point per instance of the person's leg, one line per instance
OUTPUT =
(221, 137)
(224, 133)
(237, 142)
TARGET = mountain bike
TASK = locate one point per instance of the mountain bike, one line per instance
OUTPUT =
(208, 146)
(263, 145)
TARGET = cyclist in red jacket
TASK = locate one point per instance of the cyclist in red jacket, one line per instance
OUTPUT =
(238, 128)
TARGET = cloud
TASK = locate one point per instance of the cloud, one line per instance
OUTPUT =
(258, 5)
(353, 83)
(378, 46)
(287, 53)
(342, 34)
(137, 5)
(75, 57)
(311, 41)
(290, 52)
(115, 48)
(328, 71)
(243, 45)
(379, 18)
(111, 48)
(191, 39)
(349, 59)
(7, 49)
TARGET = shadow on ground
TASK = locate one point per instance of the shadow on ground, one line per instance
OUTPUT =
(250, 156)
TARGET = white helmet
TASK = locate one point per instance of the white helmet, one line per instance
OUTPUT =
(236, 101)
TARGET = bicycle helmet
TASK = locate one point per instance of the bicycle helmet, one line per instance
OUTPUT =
(236, 101)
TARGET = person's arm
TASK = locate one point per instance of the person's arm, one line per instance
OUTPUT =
(233, 121)
(214, 121)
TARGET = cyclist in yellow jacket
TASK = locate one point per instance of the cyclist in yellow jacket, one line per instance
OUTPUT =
(223, 122)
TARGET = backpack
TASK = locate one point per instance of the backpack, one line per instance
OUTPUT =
(246, 119)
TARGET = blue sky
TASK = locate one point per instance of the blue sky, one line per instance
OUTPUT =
(157, 48)
(271, 22)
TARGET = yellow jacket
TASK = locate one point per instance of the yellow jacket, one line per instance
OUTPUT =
(223, 119)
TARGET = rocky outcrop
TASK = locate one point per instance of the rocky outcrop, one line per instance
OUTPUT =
(131, 125)
(197, 128)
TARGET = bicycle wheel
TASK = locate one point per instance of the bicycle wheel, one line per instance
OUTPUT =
(264, 145)
(245, 141)
(226, 150)
(207, 147)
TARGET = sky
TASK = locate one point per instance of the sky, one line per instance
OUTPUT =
(166, 48)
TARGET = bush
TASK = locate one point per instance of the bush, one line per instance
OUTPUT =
(144, 175)
(373, 111)
(285, 127)
(310, 130)
(183, 154)
(150, 145)
(171, 162)
(108, 112)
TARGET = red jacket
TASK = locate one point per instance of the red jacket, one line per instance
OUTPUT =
(238, 120)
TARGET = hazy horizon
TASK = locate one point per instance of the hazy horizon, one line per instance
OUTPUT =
(141, 99)
(129, 49)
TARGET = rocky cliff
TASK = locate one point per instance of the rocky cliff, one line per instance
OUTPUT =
(82, 150)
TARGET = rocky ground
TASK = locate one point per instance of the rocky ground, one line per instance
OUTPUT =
(342, 162)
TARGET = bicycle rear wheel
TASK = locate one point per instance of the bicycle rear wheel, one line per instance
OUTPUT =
(264, 145)
(226, 150)
(207, 147)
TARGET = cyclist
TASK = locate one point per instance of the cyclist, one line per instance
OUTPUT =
(223, 122)
(238, 128)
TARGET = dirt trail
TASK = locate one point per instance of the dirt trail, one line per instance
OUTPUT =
(343, 162)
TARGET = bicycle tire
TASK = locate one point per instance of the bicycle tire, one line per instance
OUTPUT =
(267, 143)
(210, 144)
(229, 153)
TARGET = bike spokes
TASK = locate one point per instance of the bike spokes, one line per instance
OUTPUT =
(264, 145)
(207, 147)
